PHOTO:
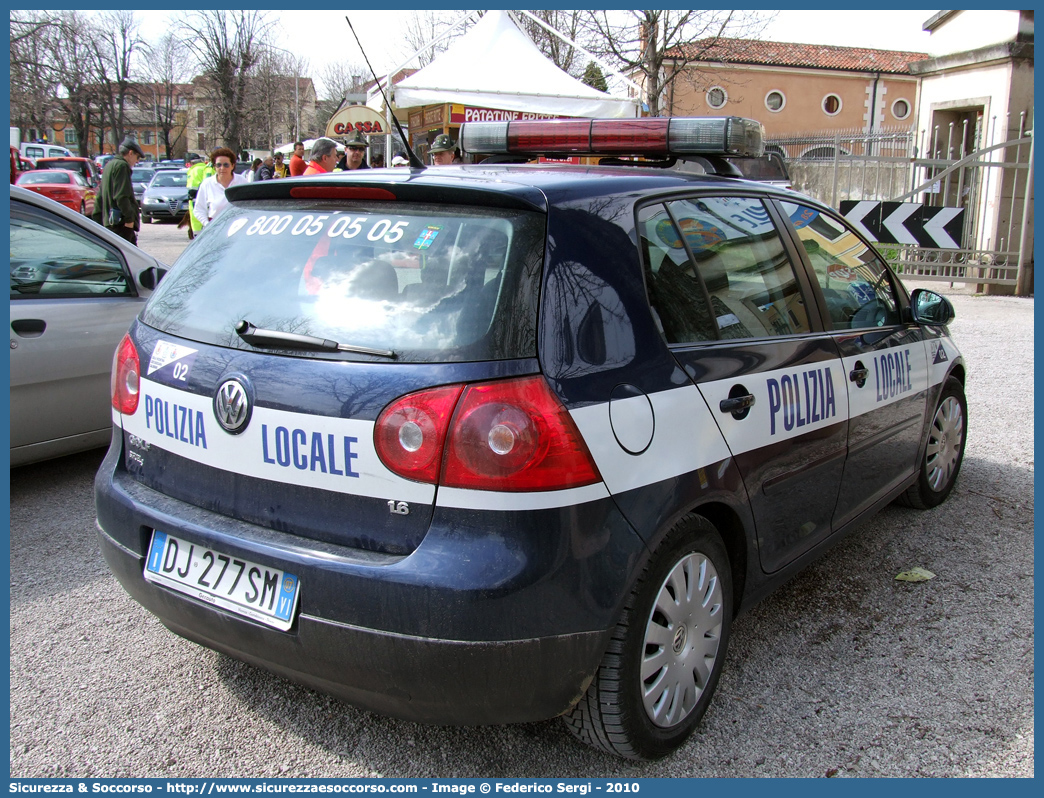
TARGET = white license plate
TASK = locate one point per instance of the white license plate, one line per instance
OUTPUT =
(266, 595)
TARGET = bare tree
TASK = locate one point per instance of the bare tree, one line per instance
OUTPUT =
(424, 26)
(166, 72)
(656, 48)
(117, 47)
(75, 70)
(277, 91)
(571, 25)
(227, 46)
(340, 79)
(34, 81)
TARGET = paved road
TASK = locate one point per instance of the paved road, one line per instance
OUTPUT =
(163, 240)
(843, 671)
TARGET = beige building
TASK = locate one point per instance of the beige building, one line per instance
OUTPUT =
(799, 88)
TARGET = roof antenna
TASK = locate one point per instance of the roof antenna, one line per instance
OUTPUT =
(415, 162)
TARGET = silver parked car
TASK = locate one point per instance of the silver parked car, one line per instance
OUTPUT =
(75, 288)
(141, 176)
(166, 196)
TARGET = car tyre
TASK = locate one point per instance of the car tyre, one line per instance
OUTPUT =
(147, 219)
(943, 451)
(663, 661)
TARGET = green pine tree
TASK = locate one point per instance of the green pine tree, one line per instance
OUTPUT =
(594, 78)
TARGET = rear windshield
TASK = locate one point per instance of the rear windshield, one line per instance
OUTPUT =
(429, 283)
(141, 175)
(49, 177)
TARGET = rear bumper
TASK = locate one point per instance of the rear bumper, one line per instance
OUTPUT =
(466, 630)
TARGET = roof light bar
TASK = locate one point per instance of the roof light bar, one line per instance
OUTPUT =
(651, 136)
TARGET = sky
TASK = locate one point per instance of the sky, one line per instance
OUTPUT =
(323, 36)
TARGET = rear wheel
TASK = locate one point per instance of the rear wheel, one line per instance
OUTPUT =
(665, 656)
(944, 450)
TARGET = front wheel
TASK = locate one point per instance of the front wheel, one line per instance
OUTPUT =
(944, 450)
(666, 653)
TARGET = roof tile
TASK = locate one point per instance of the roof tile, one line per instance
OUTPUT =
(790, 54)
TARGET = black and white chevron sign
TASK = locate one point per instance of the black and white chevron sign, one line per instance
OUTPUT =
(906, 223)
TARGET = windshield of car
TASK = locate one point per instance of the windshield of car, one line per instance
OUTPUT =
(168, 180)
(44, 176)
(141, 175)
(431, 283)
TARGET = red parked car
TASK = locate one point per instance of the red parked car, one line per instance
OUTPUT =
(61, 185)
(85, 167)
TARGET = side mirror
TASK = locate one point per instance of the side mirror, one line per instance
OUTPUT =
(929, 307)
(192, 192)
(150, 277)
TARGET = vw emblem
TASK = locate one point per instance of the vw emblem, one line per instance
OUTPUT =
(232, 406)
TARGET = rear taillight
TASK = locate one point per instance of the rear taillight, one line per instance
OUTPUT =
(125, 377)
(410, 432)
(511, 435)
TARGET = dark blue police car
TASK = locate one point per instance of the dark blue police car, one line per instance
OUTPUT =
(495, 443)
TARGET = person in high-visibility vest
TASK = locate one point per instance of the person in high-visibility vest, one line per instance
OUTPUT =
(197, 173)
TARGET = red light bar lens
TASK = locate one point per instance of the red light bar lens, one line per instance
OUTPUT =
(558, 135)
(630, 136)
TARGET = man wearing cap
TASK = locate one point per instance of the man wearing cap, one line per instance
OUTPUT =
(354, 154)
(324, 157)
(442, 150)
(115, 206)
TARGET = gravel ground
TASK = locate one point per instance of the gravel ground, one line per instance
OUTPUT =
(843, 671)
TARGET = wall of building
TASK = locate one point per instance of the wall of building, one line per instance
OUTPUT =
(805, 91)
(970, 30)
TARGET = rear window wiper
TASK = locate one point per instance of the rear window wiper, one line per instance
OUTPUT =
(287, 340)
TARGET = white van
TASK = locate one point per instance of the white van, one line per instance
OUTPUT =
(35, 150)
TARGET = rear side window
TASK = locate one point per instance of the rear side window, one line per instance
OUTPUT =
(855, 281)
(717, 269)
(431, 283)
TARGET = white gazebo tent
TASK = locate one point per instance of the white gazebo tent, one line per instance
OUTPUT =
(496, 65)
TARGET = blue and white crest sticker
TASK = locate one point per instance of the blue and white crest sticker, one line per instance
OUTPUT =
(174, 359)
(938, 352)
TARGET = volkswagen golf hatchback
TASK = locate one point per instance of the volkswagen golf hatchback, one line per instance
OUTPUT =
(500, 442)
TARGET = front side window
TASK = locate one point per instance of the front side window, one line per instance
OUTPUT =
(428, 282)
(856, 283)
(717, 269)
(50, 260)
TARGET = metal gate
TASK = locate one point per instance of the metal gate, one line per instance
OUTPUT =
(988, 172)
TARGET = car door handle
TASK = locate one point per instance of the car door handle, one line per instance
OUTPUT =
(858, 375)
(29, 328)
(736, 404)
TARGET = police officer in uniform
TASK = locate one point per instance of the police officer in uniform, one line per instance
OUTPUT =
(442, 150)
(196, 175)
